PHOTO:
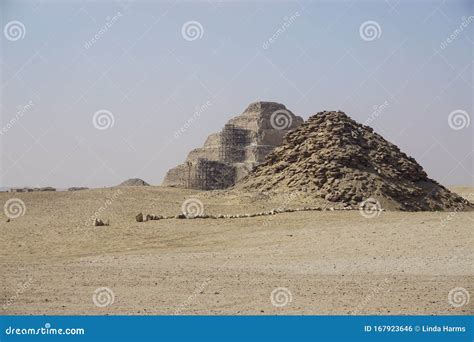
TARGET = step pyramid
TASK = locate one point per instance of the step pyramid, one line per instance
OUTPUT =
(243, 143)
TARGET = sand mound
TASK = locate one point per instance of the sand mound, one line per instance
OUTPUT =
(134, 182)
(335, 158)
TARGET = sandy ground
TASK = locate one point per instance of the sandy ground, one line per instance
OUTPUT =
(52, 259)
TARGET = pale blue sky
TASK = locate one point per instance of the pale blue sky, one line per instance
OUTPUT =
(151, 79)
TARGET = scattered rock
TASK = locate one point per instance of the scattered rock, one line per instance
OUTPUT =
(149, 217)
(98, 222)
(139, 217)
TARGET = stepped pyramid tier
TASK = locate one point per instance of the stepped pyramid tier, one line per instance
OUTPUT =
(333, 158)
(229, 155)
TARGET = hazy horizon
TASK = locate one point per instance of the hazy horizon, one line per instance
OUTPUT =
(148, 67)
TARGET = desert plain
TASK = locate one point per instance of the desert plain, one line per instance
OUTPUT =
(52, 258)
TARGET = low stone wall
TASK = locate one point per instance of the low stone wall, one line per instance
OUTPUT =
(149, 217)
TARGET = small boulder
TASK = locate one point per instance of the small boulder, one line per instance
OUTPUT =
(99, 223)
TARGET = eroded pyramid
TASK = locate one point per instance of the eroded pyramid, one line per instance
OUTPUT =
(339, 160)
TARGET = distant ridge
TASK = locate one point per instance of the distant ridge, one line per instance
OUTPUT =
(134, 182)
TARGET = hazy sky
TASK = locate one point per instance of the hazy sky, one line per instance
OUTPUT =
(63, 61)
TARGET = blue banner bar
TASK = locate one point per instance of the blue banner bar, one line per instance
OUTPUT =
(237, 328)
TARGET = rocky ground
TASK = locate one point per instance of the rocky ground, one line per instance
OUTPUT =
(54, 261)
(332, 157)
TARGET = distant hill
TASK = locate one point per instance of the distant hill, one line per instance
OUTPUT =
(134, 182)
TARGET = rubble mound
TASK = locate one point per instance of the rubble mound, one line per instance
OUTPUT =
(334, 158)
(229, 155)
(134, 182)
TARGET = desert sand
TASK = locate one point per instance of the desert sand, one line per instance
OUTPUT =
(329, 262)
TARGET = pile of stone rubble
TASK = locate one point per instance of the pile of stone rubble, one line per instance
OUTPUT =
(336, 159)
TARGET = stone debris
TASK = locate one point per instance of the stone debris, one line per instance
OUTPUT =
(144, 218)
(98, 222)
(153, 217)
(149, 217)
(334, 158)
(139, 217)
(229, 155)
